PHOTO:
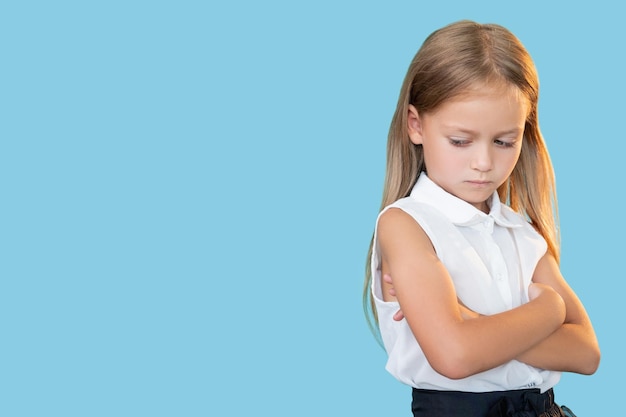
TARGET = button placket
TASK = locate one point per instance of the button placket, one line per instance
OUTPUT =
(497, 263)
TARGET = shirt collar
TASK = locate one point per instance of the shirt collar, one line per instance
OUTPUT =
(459, 212)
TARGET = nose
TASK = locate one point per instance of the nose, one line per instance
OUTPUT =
(482, 159)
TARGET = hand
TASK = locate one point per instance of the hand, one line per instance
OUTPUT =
(399, 315)
(554, 299)
(466, 313)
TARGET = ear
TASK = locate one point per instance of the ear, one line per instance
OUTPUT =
(414, 125)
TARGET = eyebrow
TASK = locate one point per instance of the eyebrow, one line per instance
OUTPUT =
(515, 130)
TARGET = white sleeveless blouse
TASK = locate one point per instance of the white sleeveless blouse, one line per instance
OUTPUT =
(491, 259)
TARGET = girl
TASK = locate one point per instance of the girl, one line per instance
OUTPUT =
(468, 233)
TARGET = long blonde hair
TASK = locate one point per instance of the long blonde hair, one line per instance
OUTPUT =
(450, 61)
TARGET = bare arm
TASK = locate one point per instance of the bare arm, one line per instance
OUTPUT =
(573, 347)
(454, 346)
(466, 313)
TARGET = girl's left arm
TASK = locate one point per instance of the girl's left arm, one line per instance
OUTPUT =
(574, 346)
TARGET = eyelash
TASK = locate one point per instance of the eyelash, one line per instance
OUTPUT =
(458, 142)
(505, 144)
(463, 142)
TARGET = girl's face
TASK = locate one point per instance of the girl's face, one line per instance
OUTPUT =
(471, 143)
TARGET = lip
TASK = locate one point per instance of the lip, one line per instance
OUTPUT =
(479, 183)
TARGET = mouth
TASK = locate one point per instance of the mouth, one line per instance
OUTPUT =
(479, 183)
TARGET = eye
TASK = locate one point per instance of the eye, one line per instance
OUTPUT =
(458, 141)
(504, 143)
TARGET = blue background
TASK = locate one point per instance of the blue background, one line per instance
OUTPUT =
(189, 189)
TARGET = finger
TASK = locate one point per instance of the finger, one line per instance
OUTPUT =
(392, 292)
(387, 278)
(398, 316)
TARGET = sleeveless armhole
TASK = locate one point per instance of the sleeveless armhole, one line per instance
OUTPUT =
(415, 210)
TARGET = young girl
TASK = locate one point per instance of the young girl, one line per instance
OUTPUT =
(484, 322)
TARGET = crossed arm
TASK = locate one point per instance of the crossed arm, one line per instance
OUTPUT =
(573, 347)
(552, 331)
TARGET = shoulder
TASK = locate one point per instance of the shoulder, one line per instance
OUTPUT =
(394, 218)
(526, 232)
(516, 218)
(404, 223)
(512, 215)
(419, 211)
(414, 214)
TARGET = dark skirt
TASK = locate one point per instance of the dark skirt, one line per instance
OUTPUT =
(518, 403)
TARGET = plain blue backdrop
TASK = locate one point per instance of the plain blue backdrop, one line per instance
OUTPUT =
(189, 189)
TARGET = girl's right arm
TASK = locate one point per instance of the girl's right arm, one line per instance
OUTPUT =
(456, 347)
(574, 346)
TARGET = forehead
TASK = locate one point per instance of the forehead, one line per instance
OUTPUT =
(484, 106)
(491, 89)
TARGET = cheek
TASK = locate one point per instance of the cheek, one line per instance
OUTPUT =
(434, 158)
(511, 161)
(444, 164)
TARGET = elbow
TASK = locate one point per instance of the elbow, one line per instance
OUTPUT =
(454, 363)
(592, 362)
(455, 372)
